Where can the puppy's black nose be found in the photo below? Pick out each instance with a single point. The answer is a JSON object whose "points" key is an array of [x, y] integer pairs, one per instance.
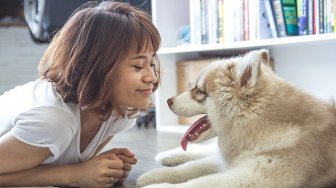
{"points": [[170, 101]]}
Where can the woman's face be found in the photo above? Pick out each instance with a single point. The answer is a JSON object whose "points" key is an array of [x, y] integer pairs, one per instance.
{"points": [[135, 83]]}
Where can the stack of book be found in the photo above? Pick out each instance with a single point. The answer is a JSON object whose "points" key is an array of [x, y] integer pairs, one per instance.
{"points": [[223, 21]]}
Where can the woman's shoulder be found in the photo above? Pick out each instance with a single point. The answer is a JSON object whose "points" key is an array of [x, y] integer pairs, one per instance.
{"points": [[39, 93], [36, 100], [36, 90]]}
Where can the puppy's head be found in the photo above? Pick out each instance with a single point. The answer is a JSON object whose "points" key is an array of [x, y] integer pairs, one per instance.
{"points": [[222, 91]]}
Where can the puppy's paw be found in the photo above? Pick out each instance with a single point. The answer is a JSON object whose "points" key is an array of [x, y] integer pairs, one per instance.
{"points": [[151, 177], [161, 185], [171, 161], [176, 157]]}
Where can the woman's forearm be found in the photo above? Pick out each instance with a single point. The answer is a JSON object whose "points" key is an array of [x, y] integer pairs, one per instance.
{"points": [[43, 175]]}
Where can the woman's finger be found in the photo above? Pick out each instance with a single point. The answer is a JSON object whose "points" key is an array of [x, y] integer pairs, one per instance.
{"points": [[125, 175], [114, 164], [115, 173], [125, 159], [108, 185], [121, 180], [112, 179], [122, 151], [127, 167]]}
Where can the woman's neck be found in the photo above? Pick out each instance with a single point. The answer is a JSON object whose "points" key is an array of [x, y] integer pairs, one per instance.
{"points": [[90, 125]]}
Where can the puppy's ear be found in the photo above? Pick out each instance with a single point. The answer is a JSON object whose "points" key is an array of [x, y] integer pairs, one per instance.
{"points": [[249, 68], [266, 59]]}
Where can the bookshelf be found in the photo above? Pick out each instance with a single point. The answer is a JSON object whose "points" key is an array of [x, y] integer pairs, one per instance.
{"points": [[307, 61]]}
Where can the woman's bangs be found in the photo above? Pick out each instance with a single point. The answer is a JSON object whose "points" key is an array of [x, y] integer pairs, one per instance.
{"points": [[144, 38]]}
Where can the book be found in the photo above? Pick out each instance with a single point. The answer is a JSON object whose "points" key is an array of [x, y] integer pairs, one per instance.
{"points": [[302, 16], [246, 20], [270, 17], [310, 15], [221, 21], [195, 22], [290, 16], [321, 16], [329, 16], [279, 18], [204, 23], [229, 24], [238, 20], [334, 12], [316, 17], [264, 30], [212, 19]]}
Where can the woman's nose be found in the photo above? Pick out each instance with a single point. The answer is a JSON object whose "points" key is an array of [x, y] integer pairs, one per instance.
{"points": [[150, 76]]}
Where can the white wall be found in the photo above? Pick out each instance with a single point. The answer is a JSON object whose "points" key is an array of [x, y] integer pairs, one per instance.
{"points": [[311, 67]]}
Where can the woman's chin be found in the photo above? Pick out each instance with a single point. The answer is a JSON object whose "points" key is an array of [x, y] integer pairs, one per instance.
{"points": [[143, 105]]}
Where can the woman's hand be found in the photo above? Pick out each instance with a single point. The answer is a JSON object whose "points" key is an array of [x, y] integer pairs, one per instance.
{"points": [[100, 171], [128, 159]]}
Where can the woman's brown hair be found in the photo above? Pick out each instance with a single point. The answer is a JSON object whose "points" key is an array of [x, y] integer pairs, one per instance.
{"points": [[82, 59]]}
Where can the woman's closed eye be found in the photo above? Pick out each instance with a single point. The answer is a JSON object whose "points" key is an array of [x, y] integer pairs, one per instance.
{"points": [[137, 67]]}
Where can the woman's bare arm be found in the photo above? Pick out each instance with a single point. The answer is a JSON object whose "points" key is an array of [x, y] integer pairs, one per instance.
{"points": [[20, 166], [17, 156]]}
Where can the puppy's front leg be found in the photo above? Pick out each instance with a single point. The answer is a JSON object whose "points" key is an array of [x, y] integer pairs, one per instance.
{"points": [[250, 173], [181, 173], [236, 177], [177, 156]]}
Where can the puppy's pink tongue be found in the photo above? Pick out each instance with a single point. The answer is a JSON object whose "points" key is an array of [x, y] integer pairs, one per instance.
{"points": [[192, 130]]}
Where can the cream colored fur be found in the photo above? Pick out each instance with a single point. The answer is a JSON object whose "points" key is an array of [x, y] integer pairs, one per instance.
{"points": [[270, 133]]}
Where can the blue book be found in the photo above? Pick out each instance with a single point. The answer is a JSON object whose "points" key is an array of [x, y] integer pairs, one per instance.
{"points": [[302, 10]]}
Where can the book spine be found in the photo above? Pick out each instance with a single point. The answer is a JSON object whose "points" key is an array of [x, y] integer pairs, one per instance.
{"points": [[279, 18], [239, 12], [221, 21], [325, 12], [263, 26], [229, 20], [270, 18], [210, 25], [316, 17], [213, 14], [192, 19], [246, 19], [334, 11], [330, 16], [198, 24], [302, 17], [204, 23], [253, 16], [321, 16], [310, 17], [290, 16]]}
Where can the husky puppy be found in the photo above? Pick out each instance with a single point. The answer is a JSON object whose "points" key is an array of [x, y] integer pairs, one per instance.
{"points": [[270, 133]]}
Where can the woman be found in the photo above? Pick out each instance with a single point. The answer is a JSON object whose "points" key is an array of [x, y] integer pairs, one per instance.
{"points": [[97, 74]]}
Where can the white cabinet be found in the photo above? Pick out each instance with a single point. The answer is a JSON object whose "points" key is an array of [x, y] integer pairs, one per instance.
{"points": [[306, 61]]}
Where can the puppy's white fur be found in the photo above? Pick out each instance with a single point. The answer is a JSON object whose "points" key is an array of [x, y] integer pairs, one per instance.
{"points": [[270, 134]]}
